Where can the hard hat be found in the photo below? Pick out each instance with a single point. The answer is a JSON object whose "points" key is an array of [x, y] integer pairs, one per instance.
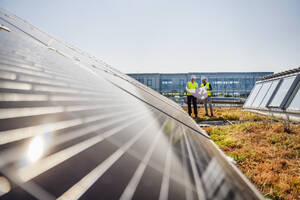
{"points": [[193, 77], [203, 78]]}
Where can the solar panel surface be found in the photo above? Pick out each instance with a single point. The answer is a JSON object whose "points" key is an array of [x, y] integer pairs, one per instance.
{"points": [[72, 127]]}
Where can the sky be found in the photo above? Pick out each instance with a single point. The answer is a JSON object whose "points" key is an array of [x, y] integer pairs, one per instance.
{"points": [[172, 36]]}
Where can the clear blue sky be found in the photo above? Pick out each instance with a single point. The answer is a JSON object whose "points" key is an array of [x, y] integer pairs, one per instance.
{"points": [[175, 35]]}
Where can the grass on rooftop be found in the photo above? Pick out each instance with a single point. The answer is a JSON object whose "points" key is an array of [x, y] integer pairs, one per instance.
{"points": [[228, 113], [266, 150]]}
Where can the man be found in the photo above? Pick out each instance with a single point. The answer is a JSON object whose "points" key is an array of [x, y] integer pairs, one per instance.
{"points": [[208, 99], [190, 98]]}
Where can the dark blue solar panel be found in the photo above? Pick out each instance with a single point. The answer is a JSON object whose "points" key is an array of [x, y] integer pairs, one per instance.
{"points": [[72, 127]]}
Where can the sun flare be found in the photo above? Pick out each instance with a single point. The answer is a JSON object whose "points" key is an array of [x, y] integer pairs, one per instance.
{"points": [[35, 149]]}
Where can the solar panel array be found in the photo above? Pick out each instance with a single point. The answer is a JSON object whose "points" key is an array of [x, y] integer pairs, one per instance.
{"points": [[278, 95], [72, 127]]}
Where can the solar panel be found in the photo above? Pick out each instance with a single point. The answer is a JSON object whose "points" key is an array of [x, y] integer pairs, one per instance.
{"points": [[282, 91], [73, 127]]}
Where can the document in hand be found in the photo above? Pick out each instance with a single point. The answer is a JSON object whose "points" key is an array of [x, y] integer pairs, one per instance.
{"points": [[199, 93]]}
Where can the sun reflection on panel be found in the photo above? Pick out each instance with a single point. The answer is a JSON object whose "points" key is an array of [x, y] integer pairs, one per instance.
{"points": [[4, 185], [35, 148]]}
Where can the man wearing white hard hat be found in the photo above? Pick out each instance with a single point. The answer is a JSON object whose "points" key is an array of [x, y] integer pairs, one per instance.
{"points": [[192, 85], [208, 100]]}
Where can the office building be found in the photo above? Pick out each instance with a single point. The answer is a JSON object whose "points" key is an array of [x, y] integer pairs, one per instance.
{"points": [[228, 84]]}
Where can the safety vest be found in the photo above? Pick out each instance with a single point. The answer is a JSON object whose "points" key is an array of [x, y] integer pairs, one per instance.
{"points": [[192, 86], [209, 92]]}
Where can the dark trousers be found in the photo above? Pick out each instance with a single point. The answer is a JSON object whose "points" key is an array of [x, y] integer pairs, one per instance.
{"points": [[191, 99]]}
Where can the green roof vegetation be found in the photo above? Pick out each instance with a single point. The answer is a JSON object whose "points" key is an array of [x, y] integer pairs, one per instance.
{"points": [[266, 150]]}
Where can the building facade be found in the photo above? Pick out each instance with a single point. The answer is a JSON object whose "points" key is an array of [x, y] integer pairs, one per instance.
{"points": [[228, 84]]}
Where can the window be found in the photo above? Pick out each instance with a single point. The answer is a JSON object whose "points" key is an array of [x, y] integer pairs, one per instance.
{"points": [[269, 93], [141, 80], [262, 93], [149, 82], [295, 102], [252, 95], [166, 82], [282, 92], [182, 83]]}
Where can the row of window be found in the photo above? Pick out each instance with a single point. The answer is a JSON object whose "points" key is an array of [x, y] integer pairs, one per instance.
{"points": [[181, 82], [149, 81], [217, 91], [281, 94], [221, 86]]}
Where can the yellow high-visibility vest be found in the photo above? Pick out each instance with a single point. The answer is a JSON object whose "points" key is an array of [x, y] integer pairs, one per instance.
{"points": [[209, 92], [192, 86]]}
